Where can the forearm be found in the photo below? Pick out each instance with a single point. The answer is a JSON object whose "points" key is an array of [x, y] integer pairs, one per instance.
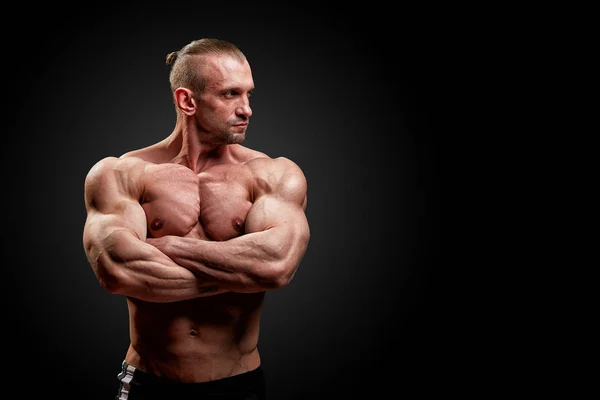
{"points": [[250, 263], [133, 268]]}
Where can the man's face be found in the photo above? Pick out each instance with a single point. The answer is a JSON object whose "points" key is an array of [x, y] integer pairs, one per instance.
{"points": [[223, 110]]}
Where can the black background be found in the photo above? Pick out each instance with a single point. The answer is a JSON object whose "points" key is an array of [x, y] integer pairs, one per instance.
{"points": [[357, 97]]}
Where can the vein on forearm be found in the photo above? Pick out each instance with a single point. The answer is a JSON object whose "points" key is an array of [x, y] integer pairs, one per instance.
{"points": [[244, 259]]}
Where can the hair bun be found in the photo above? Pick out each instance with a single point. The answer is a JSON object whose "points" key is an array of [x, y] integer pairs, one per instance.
{"points": [[172, 57]]}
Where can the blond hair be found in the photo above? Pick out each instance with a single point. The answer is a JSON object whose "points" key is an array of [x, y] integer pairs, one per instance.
{"points": [[186, 63]]}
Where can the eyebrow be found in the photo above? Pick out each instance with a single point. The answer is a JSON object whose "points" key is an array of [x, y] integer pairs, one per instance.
{"points": [[236, 87]]}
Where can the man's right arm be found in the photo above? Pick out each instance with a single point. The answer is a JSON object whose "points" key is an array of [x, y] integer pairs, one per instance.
{"points": [[114, 239]]}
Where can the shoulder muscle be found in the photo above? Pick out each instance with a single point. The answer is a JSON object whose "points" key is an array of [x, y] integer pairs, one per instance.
{"points": [[112, 178], [281, 177]]}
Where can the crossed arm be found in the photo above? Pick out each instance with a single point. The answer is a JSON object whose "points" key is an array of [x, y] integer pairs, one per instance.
{"points": [[174, 268], [268, 254]]}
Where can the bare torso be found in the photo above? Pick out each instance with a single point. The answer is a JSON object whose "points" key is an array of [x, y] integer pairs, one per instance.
{"points": [[209, 337]]}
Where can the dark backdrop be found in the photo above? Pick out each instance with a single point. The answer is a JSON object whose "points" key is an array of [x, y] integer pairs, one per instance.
{"points": [[354, 96]]}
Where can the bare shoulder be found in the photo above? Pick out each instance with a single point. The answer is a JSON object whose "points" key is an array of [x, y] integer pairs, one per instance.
{"points": [[280, 176], [274, 167], [244, 154], [112, 176], [156, 154], [111, 165]]}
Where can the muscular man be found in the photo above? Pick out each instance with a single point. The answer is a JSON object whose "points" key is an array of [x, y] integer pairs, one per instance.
{"points": [[193, 230]]}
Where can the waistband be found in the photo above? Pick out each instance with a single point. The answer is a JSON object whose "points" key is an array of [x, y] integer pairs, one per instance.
{"points": [[132, 375]]}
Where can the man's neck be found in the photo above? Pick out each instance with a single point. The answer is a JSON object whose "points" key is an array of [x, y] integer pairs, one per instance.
{"points": [[188, 150]]}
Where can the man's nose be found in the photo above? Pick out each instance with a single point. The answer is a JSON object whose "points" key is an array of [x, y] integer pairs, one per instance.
{"points": [[244, 109]]}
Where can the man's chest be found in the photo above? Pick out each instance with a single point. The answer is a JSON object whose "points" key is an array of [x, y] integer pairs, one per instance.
{"points": [[212, 205]]}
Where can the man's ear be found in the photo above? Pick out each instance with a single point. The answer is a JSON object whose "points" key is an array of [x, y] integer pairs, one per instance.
{"points": [[184, 100]]}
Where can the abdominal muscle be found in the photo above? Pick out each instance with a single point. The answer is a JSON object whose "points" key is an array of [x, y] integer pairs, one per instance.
{"points": [[196, 340]]}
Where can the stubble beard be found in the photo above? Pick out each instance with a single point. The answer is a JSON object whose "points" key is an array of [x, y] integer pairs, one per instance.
{"points": [[224, 138], [233, 138]]}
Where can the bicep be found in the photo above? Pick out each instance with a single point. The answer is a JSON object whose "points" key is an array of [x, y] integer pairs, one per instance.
{"points": [[128, 215], [283, 205], [284, 220], [112, 204]]}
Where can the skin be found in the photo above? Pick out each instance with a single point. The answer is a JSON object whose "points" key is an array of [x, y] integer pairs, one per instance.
{"points": [[193, 230]]}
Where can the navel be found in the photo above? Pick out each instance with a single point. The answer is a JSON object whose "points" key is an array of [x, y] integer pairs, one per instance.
{"points": [[156, 224]]}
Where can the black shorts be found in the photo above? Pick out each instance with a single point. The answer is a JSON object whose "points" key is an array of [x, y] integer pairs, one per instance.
{"points": [[135, 384]]}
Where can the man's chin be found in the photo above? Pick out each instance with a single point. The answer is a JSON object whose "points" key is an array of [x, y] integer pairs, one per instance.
{"points": [[236, 138]]}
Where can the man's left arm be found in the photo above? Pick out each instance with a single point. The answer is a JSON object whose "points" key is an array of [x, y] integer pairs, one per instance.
{"points": [[275, 240]]}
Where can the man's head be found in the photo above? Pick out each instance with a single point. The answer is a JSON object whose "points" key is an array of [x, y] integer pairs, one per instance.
{"points": [[211, 82]]}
